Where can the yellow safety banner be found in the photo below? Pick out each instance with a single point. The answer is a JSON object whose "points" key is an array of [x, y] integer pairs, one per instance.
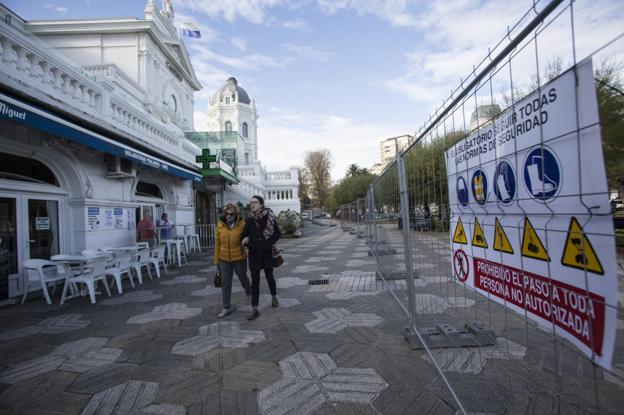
{"points": [[578, 251], [532, 246], [501, 241], [478, 237], [459, 236]]}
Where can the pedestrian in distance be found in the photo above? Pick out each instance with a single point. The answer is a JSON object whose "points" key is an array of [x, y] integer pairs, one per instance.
{"points": [[260, 234], [146, 230], [230, 256], [165, 226]]}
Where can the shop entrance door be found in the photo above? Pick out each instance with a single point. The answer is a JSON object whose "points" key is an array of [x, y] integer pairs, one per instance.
{"points": [[29, 229]]}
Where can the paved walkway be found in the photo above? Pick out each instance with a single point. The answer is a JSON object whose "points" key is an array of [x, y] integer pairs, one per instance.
{"points": [[336, 348]]}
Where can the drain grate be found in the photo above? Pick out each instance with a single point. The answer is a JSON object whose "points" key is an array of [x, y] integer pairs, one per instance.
{"points": [[318, 282]]}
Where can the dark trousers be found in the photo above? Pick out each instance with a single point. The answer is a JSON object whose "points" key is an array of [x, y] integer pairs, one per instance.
{"points": [[255, 285], [227, 271]]}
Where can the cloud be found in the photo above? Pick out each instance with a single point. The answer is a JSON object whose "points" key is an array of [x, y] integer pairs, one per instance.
{"points": [[59, 9], [308, 52], [296, 24], [253, 11], [239, 43], [295, 133]]}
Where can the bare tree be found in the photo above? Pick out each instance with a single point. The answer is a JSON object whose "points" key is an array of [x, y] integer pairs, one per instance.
{"points": [[318, 163], [304, 188]]}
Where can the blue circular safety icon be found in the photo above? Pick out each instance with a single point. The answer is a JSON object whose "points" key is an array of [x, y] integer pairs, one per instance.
{"points": [[462, 191], [542, 174], [479, 186], [504, 182]]}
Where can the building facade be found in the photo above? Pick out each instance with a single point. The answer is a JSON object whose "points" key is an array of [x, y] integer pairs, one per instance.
{"points": [[230, 110], [92, 121]]}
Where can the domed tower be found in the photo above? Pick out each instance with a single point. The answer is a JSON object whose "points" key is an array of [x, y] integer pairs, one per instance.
{"points": [[231, 109]]}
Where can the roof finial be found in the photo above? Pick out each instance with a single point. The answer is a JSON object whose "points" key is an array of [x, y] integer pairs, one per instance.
{"points": [[168, 11]]}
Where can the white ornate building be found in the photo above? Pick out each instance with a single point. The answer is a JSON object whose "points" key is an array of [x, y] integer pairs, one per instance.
{"points": [[232, 110], [92, 120]]}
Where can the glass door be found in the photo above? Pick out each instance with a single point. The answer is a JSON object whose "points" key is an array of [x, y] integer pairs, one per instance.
{"points": [[43, 228], [8, 244]]}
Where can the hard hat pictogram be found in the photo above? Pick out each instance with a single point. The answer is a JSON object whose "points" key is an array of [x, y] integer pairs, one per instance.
{"points": [[459, 236], [578, 251], [532, 246], [478, 237]]}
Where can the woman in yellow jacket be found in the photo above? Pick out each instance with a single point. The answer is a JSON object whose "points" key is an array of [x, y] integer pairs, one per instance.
{"points": [[230, 255]]}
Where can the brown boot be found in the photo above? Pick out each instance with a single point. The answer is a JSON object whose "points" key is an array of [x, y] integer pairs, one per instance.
{"points": [[253, 315]]}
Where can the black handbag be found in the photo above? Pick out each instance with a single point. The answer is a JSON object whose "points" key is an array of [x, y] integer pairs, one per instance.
{"points": [[217, 278]]}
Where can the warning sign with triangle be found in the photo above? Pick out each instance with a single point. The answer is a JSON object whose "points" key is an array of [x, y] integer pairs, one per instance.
{"points": [[501, 242], [478, 237], [459, 236], [532, 246], [578, 251]]}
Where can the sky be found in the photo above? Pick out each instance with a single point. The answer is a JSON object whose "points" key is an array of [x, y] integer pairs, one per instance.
{"points": [[341, 75]]}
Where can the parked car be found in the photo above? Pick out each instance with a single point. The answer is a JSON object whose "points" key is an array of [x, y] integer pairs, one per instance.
{"points": [[304, 215]]}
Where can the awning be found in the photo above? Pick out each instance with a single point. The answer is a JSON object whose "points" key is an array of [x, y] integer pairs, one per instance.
{"points": [[26, 114]]}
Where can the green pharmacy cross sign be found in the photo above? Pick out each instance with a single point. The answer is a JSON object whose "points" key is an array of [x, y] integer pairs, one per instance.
{"points": [[208, 171], [206, 158]]}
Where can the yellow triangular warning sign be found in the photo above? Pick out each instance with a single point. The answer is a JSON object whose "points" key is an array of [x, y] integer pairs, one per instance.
{"points": [[459, 236], [501, 242], [478, 237], [578, 251], [532, 246]]}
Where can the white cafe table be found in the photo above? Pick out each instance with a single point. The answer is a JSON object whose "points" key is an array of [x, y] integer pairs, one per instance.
{"points": [[178, 244], [72, 265]]}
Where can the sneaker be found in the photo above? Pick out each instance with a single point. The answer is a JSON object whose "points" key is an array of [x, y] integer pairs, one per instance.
{"points": [[274, 302], [253, 315], [226, 311]]}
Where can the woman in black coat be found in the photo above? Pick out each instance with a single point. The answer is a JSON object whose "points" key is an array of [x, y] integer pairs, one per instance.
{"points": [[260, 234]]}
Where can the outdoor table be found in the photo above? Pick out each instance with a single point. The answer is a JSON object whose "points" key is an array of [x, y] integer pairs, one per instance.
{"points": [[72, 265], [178, 244]]}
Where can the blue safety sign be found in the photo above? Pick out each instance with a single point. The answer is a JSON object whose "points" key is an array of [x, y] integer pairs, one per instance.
{"points": [[479, 186], [542, 174], [504, 182]]}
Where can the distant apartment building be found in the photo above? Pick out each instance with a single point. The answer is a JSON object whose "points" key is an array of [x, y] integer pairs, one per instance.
{"points": [[388, 149]]}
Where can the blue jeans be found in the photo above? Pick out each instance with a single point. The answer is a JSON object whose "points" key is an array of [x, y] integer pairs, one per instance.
{"points": [[227, 272]]}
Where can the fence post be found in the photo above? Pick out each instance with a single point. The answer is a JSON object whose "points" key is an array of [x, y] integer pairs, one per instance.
{"points": [[407, 241], [374, 235]]}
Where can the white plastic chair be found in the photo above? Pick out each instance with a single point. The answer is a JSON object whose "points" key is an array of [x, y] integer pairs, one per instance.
{"points": [[96, 271], [142, 259], [157, 258], [121, 266], [44, 272], [193, 239]]}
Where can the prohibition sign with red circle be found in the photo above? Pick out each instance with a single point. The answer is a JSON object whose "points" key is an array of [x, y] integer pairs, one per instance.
{"points": [[461, 265]]}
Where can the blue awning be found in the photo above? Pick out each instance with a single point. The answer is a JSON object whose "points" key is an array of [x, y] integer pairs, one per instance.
{"points": [[22, 113]]}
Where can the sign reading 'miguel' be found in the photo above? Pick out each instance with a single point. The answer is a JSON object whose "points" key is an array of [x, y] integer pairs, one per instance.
{"points": [[531, 223]]}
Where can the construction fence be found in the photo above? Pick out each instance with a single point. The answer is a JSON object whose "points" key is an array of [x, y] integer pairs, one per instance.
{"points": [[494, 228]]}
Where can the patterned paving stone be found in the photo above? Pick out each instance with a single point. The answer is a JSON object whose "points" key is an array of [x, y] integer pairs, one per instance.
{"points": [[311, 379], [125, 398], [302, 269], [315, 259], [78, 356], [52, 325], [185, 279], [473, 359], [332, 320], [219, 334], [174, 311], [359, 262], [143, 296], [211, 290], [432, 304], [359, 255], [345, 295], [287, 282], [265, 301]]}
